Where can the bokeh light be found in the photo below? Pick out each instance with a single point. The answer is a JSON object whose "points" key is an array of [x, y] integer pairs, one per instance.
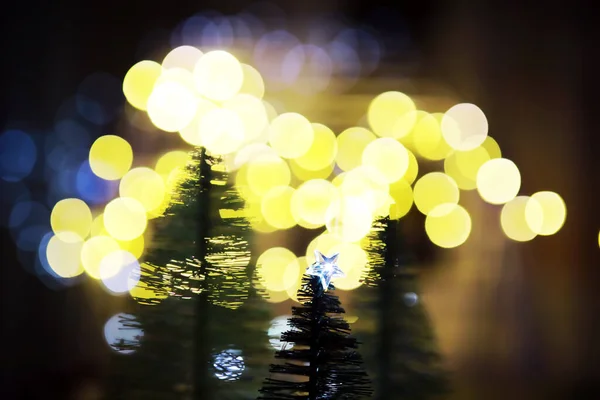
{"points": [[402, 194], [353, 261], [94, 250], [125, 218], [251, 112], [218, 75], [311, 201], [222, 131], [265, 172], [229, 365], [433, 189], [304, 174], [388, 156], [110, 157], [392, 114], [448, 225], [464, 126], [351, 144], [291, 135], [64, 254], [72, 215], [321, 152], [182, 57], [171, 106], [93, 189], [18, 155], [349, 218], [170, 161], [119, 271], [427, 138], [118, 333], [146, 186], [521, 217], [554, 212], [277, 268], [278, 326], [498, 181], [139, 82], [253, 83], [276, 207], [191, 133]]}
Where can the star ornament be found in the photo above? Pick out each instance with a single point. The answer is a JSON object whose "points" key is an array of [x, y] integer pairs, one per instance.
{"points": [[325, 268]]}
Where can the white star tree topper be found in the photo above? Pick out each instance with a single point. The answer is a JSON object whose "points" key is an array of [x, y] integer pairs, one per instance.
{"points": [[325, 268]]}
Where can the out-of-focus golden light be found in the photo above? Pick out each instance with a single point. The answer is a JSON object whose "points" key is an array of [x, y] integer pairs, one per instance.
{"points": [[249, 152], [351, 144], [554, 211], [498, 181], [464, 126], [71, 215], [402, 194], [64, 254], [451, 169], [468, 164], [125, 218], [253, 82], [97, 227], [168, 162], [368, 184], [277, 268], [135, 246], [252, 113], [253, 213], [350, 218], [274, 297], [145, 185], [139, 82], [276, 207], [182, 57], [388, 156], [427, 138], [448, 225], [191, 133], [291, 135], [321, 152], [172, 106], [222, 131], [93, 252], [491, 146], [311, 201], [433, 189], [110, 157], [218, 75], [521, 217], [306, 175], [392, 114], [265, 172], [180, 76], [412, 170], [353, 261]]}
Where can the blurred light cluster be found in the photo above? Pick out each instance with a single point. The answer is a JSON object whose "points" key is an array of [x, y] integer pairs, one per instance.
{"points": [[333, 55]]}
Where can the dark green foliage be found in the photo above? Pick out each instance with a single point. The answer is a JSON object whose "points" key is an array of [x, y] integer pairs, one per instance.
{"points": [[402, 351], [324, 362], [208, 339]]}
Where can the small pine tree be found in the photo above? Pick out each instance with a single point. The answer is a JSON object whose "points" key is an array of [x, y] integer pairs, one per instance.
{"points": [[407, 364], [324, 362], [205, 335]]}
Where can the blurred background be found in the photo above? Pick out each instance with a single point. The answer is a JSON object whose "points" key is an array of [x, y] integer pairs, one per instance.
{"points": [[513, 320]]}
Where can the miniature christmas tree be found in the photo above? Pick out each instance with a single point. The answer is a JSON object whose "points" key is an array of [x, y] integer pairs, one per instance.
{"points": [[213, 319], [323, 362], [407, 364]]}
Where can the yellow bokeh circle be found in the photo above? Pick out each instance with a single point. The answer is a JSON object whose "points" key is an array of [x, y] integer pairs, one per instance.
{"points": [[218, 75], [71, 215], [276, 207], [428, 140], [277, 268], [433, 189], [168, 162], [351, 144], [221, 131], [182, 57], [392, 114], [521, 217], [265, 172], [464, 126], [324, 243], [93, 252], [125, 218], [448, 225], [64, 254], [322, 151], [306, 174], [451, 169], [554, 212], [353, 262], [145, 185], [110, 157], [311, 201], [139, 82], [349, 218], [402, 194], [171, 106], [291, 135], [491, 146], [413, 168], [251, 112], [388, 156], [253, 82], [498, 181], [191, 133]]}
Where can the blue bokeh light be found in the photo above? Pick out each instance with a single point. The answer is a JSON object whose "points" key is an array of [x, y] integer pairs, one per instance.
{"points": [[18, 155], [99, 98], [91, 188]]}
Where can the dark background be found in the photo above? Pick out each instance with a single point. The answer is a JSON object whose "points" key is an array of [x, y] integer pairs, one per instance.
{"points": [[531, 67]]}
